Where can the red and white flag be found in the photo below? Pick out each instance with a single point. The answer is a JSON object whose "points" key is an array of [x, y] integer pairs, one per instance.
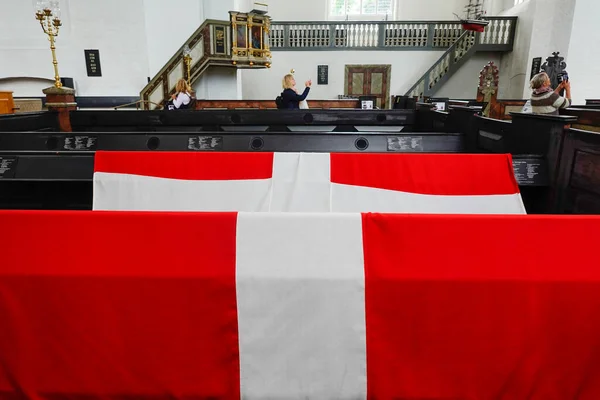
{"points": [[298, 306], [306, 182]]}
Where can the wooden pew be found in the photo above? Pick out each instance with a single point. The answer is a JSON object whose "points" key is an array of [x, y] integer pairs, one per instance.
{"points": [[346, 120], [502, 109], [578, 181], [587, 118], [37, 121]]}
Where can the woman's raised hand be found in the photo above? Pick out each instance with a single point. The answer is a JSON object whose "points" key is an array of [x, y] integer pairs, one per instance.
{"points": [[308, 83]]}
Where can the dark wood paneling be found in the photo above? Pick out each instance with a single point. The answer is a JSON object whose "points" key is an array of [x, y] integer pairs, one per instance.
{"points": [[270, 104], [579, 176], [211, 120], [76, 144], [587, 118], [40, 121]]}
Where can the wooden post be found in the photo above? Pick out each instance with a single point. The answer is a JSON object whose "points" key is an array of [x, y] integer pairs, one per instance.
{"points": [[61, 100]]}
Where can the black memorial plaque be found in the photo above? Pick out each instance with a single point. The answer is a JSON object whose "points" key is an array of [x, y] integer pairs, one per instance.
{"points": [[220, 40], [536, 66], [323, 75], [8, 167], [81, 143], [531, 172], [405, 143], [92, 62], [205, 143]]}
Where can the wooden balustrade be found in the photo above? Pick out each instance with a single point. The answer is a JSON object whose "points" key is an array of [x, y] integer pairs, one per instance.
{"points": [[386, 35]]}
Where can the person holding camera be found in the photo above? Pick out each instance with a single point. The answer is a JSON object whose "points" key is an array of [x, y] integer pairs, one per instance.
{"points": [[545, 100], [290, 98]]}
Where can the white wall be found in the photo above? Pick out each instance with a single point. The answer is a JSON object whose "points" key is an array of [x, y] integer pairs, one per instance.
{"points": [[429, 9], [24, 49], [544, 26], [463, 84], [551, 32], [317, 10], [304, 10], [135, 39], [407, 68], [123, 56], [218, 83], [162, 39], [496, 7], [516, 66], [583, 63]]}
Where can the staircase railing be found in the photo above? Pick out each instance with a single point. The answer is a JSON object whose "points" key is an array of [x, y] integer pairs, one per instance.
{"points": [[385, 35], [445, 66], [203, 52], [498, 36]]}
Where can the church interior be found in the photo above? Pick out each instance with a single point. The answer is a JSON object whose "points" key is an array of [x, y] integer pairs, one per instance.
{"points": [[317, 199]]}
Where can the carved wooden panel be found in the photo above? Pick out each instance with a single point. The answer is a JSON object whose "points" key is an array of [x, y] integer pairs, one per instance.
{"points": [[487, 91], [369, 80], [554, 66], [586, 172]]}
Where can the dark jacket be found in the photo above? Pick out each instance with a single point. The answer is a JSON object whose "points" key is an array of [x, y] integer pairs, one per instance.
{"points": [[291, 100]]}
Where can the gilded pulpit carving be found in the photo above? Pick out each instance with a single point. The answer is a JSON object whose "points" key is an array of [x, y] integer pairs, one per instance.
{"points": [[250, 39], [487, 90]]}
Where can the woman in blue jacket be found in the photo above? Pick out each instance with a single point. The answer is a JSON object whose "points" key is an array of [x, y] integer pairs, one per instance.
{"points": [[290, 98]]}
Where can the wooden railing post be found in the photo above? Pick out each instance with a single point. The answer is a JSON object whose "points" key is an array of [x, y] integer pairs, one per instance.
{"points": [[430, 34], [286, 36], [382, 34]]}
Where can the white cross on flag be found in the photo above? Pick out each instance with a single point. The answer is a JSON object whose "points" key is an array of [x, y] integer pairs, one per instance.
{"points": [[306, 182]]}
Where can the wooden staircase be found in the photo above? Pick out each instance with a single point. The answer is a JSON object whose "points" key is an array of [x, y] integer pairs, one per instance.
{"points": [[498, 36], [209, 46]]}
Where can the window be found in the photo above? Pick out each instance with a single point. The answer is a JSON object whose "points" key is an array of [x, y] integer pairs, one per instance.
{"points": [[366, 8]]}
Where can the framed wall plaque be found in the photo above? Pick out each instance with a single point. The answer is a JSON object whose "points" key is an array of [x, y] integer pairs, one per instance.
{"points": [[92, 62], [323, 75], [220, 40], [536, 66]]}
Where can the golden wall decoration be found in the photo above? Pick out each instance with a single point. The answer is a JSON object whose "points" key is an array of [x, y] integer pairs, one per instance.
{"points": [[250, 39]]}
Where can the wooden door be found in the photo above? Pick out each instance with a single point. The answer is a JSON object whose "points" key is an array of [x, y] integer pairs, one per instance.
{"points": [[369, 80]]}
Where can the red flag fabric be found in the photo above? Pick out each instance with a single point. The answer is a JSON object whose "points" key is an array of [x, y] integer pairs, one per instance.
{"points": [[114, 305], [306, 182]]}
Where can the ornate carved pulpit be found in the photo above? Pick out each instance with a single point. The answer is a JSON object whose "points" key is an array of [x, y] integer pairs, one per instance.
{"points": [[250, 37], [487, 90]]}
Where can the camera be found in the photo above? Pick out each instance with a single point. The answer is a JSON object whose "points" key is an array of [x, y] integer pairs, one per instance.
{"points": [[563, 76]]}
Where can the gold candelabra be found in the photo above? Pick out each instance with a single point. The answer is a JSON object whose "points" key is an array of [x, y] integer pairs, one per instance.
{"points": [[48, 13], [187, 59]]}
